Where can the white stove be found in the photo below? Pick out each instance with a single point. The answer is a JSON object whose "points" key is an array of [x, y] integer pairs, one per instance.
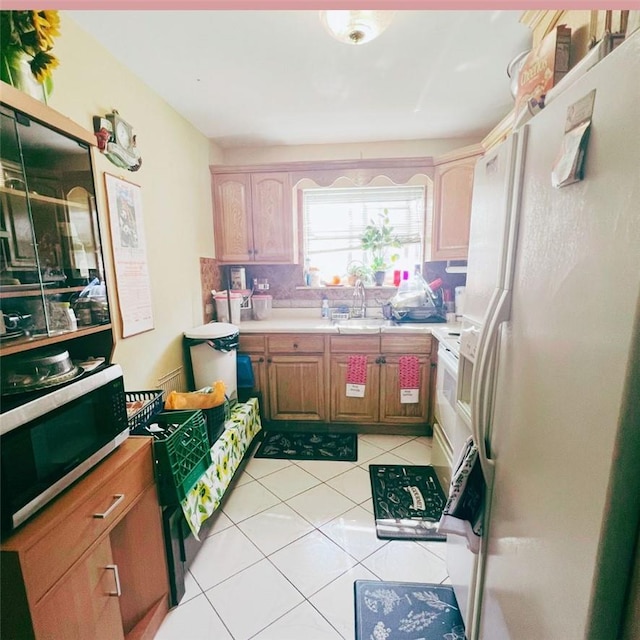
{"points": [[445, 428]]}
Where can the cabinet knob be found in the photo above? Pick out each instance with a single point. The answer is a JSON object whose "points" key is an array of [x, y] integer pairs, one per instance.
{"points": [[268, 359], [295, 345], [260, 359]]}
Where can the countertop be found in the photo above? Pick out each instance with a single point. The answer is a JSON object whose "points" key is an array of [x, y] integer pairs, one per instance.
{"points": [[309, 321]]}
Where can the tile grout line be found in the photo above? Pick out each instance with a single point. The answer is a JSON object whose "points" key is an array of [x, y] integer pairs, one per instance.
{"points": [[364, 466]]}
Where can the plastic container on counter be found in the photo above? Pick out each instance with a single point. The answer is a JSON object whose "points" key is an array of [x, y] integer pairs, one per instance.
{"points": [[262, 305], [222, 306]]}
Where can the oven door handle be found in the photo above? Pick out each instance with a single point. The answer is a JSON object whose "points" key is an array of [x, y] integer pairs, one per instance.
{"points": [[446, 357]]}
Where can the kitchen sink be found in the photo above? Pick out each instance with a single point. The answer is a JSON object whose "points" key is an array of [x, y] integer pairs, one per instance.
{"points": [[363, 325]]}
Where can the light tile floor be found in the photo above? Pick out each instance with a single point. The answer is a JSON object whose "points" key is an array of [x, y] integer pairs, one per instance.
{"points": [[288, 544]]}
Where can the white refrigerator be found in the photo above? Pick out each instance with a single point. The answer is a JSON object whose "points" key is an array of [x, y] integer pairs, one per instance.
{"points": [[549, 381]]}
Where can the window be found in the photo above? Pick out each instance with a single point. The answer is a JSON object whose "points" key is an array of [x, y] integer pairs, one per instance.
{"points": [[335, 218]]}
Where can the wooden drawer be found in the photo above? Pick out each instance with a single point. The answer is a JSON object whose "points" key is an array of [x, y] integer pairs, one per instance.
{"points": [[64, 539], [250, 343], [295, 343], [355, 344], [398, 343]]}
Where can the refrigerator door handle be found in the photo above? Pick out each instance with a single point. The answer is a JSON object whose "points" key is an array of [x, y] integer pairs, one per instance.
{"points": [[483, 384]]}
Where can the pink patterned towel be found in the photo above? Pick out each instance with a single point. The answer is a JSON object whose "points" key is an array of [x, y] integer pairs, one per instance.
{"points": [[409, 372], [357, 370]]}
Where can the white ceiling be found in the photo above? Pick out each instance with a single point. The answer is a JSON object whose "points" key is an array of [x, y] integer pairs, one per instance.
{"points": [[253, 78]]}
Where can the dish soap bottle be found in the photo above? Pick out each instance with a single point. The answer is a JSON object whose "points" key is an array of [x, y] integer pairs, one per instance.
{"points": [[324, 311]]}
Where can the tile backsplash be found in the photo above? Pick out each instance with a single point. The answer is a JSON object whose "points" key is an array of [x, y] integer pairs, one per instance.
{"points": [[286, 285]]}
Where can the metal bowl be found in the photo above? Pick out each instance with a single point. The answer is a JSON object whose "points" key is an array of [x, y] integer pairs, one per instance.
{"points": [[38, 371]]}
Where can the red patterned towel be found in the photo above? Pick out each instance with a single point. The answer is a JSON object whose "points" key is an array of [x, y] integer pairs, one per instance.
{"points": [[357, 370], [409, 372]]}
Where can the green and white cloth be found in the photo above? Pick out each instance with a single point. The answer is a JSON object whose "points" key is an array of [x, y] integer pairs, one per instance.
{"points": [[226, 454]]}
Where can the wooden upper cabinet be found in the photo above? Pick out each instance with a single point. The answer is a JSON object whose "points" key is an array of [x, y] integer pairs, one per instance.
{"points": [[273, 222], [453, 189], [232, 217], [254, 219]]}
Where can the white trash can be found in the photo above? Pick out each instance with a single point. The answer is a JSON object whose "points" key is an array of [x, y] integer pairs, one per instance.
{"points": [[212, 352]]}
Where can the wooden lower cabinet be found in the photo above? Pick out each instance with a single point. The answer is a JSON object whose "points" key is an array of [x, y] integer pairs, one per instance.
{"points": [[391, 409], [347, 409], [381, 403], [296, 387], [85, 605], [303, 377], [107, 582]]}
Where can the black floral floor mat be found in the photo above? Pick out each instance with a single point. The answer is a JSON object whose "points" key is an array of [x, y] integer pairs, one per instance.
{"points": [[309, 446]]}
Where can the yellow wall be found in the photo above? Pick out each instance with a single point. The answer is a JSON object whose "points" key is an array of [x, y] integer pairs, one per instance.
{"points": [[176, 195]]}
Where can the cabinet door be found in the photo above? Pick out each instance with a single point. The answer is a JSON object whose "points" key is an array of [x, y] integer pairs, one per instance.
{"points": [[452, 209], [391, 409], [232, 217], [274, 231], [347, 409], [85, 605], [296, 388]]}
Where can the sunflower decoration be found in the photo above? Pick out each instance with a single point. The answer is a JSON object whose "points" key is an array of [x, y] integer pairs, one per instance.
{"points": [[29, 34]]}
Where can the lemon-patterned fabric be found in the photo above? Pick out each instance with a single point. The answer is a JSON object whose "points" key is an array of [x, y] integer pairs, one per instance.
{"points": [[226, 454]]}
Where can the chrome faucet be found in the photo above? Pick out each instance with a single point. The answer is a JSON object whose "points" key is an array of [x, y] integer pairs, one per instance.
{"points": [[359, 305]]}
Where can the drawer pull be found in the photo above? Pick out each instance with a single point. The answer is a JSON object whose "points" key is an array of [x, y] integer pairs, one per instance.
{"points": [[295, 345], [116, 577], [118, 498]]}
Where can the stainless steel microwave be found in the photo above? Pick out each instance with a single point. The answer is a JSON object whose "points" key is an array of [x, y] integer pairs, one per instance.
{"points": [[49, 442]]}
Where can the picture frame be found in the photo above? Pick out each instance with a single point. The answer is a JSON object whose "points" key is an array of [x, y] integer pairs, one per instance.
{"points": [[133, 286]]}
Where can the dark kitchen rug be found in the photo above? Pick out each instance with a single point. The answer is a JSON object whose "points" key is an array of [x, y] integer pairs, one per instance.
{"points": [[407, 502], [406, 610], [309, 446]]}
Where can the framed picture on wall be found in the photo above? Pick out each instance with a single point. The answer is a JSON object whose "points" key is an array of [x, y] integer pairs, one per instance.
{"points": [[124, 200]]}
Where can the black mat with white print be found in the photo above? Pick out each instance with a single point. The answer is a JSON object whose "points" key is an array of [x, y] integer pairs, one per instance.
{"points": [[407, 502]]}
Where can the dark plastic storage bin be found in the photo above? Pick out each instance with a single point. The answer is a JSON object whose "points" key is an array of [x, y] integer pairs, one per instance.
{"points": [[182, 453], [216, 417], [140, 418], [245, 371]]}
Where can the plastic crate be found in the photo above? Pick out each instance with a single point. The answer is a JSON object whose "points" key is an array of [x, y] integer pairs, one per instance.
{"points": [[216, 417], [140, 417], [182, 453]]}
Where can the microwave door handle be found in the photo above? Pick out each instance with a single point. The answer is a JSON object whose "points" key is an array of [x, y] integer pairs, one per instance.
{"points": [[117, 499]]}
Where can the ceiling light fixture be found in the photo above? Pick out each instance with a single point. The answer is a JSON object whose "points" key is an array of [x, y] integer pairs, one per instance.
{"points": [[356, 27]]}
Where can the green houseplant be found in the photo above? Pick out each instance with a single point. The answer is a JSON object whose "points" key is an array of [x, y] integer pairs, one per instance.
{"points": [[357, 270], [378, 238]]}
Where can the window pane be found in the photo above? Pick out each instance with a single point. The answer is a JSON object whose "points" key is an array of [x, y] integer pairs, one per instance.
{"points": [[335, 219]]}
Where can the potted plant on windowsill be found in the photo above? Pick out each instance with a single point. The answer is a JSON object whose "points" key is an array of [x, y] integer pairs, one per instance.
{"points": [[379, 239], [357, 270]]}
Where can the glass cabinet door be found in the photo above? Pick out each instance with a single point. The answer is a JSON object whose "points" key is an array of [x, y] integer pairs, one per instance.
{"points": [[51, 269]]}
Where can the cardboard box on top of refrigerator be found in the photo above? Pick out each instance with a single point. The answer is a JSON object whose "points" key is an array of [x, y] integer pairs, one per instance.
{"points": [[542, 69]]}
